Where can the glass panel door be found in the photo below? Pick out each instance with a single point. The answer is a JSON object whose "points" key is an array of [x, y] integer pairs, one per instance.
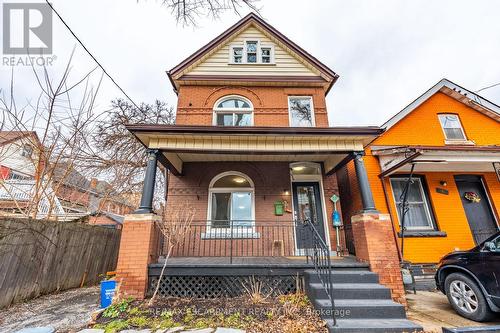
{"points": [[307, 207]]}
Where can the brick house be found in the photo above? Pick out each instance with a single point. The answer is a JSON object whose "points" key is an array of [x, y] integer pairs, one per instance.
{"points": [[252, 151], [447, 142]]}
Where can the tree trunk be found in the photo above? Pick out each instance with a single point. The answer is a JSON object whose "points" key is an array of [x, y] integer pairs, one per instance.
{"points": [[161, 275]]}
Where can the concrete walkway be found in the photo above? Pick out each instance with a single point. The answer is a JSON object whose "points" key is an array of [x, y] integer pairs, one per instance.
{"points": [[432, 311], [67, 311]]}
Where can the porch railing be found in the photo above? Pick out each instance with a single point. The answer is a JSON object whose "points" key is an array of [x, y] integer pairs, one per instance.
{"points": [[238, 238], [319, 254]]}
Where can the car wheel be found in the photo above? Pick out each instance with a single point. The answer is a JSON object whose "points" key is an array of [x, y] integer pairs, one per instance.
{"points": [[466, 298]]}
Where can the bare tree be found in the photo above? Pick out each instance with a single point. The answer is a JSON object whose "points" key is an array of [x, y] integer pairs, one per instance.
{"points": [[174, 226], [187, 12], [58, 125], [114, 153]]}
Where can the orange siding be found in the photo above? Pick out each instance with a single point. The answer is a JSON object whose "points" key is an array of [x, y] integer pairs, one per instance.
{"points": [[421, 127]]}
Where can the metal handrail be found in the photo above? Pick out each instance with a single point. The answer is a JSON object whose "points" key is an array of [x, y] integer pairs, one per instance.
{"points": [[320, 257]]}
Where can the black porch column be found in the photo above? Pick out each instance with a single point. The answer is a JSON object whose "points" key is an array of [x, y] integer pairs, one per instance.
{"points": [[148, 188], [364, 185]]}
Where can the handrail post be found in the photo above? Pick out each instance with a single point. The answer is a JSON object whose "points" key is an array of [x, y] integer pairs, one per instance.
{"points": [[231, 242]]}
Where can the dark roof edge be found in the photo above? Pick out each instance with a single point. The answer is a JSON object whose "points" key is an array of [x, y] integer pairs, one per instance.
{"points": [[342, 130]]}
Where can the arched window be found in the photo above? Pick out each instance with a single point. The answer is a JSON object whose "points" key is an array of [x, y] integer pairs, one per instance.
{"points": [[231, 201], [233, 111]]}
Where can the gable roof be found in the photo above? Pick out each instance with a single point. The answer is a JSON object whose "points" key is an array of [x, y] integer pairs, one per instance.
{"points": [[259, 22], [455, 91], [7, 137]]}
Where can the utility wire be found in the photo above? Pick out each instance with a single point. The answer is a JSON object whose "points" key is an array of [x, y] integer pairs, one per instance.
{"points": [[92, 56], [488, 87]]}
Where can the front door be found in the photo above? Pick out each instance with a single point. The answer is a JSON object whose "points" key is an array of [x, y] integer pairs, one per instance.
{"points": [[307, 207], [479, 213]]}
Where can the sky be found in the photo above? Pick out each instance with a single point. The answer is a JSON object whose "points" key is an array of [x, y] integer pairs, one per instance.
{"points": [[387, 52]]}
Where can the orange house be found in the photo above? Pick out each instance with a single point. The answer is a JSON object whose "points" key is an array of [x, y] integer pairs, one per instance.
{"points": [[448, 142]]}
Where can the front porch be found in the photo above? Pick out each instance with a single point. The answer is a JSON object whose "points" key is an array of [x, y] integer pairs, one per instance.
{"points": [[263, 216]]}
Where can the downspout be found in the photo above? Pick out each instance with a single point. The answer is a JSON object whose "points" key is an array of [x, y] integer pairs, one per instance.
{"points": [[405, 209], [387, 202], [383, 177]]}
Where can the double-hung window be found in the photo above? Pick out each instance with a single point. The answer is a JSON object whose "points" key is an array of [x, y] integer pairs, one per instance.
{"points": [[452, 127], [418, 211], [301, 111]]}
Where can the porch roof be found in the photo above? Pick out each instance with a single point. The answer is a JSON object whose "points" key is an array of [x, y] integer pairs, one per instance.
{"points": [[179, 144], [458, 158]]}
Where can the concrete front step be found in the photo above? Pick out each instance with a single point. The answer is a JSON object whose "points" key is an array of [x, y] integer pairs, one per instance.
{"points": [[361, 309], [345, 276], [373, 326], [350, 291]]}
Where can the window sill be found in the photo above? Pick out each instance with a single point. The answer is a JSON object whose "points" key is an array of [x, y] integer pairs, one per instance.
{"points": [[459, 142], [215, 234], [423, 233], [252, 64]]}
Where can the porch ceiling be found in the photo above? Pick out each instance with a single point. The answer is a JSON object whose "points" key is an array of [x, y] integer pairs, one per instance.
{"points": [[437, 159], [180, 144]]}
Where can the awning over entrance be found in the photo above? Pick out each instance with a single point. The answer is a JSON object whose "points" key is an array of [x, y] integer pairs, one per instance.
{"points": [[437, 159], [180, 144]]}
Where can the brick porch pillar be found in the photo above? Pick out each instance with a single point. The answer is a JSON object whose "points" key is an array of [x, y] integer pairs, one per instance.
{"points": [[373, 237], [374, 243], [138, 248]]}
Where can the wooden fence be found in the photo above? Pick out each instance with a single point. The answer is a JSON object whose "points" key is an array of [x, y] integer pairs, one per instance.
{"points": [[39, 257]]}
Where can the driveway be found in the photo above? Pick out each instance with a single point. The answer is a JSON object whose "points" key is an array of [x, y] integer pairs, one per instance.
{"points": [[432, 311], [66, 311]]}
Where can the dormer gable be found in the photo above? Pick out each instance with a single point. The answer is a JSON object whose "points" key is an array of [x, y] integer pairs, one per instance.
{"points": [[252, 52]]}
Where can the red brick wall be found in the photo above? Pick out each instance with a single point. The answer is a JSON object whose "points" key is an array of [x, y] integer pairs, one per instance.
{"points": [[195, 104], [271, 180]]}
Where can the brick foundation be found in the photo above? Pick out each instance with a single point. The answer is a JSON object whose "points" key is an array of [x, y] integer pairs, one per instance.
{"points": [[138, 248], [375, 245]]}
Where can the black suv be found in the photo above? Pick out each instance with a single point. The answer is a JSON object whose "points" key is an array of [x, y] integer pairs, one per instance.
{"points": [[471, 280]]}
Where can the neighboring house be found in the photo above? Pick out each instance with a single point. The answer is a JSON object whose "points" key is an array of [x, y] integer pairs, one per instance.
{"points": [[19, 152], [448, 141], [70, 194], [253, 154]]}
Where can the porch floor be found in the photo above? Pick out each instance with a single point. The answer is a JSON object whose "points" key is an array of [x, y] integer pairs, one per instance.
{"points": [[255, 262]]}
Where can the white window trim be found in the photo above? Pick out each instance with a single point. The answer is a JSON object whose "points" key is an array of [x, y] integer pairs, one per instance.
{"points": [[244, 53], [217, 110], [426, 202], [221, 233], [231, 54], [461, 129], [313, 116]]}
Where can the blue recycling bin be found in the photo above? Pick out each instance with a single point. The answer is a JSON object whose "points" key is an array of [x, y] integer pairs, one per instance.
{"points": [[107, 292]]}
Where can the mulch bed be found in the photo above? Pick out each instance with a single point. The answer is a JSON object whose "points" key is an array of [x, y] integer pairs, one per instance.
{"points": [[283, 314]]}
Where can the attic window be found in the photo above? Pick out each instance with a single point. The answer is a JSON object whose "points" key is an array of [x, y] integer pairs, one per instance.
{"points": [[237, 54], [251, 47], [452, 127], [251, 52]]}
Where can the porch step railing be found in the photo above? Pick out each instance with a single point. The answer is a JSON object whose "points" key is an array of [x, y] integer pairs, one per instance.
{"points": [[319, 255]]}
